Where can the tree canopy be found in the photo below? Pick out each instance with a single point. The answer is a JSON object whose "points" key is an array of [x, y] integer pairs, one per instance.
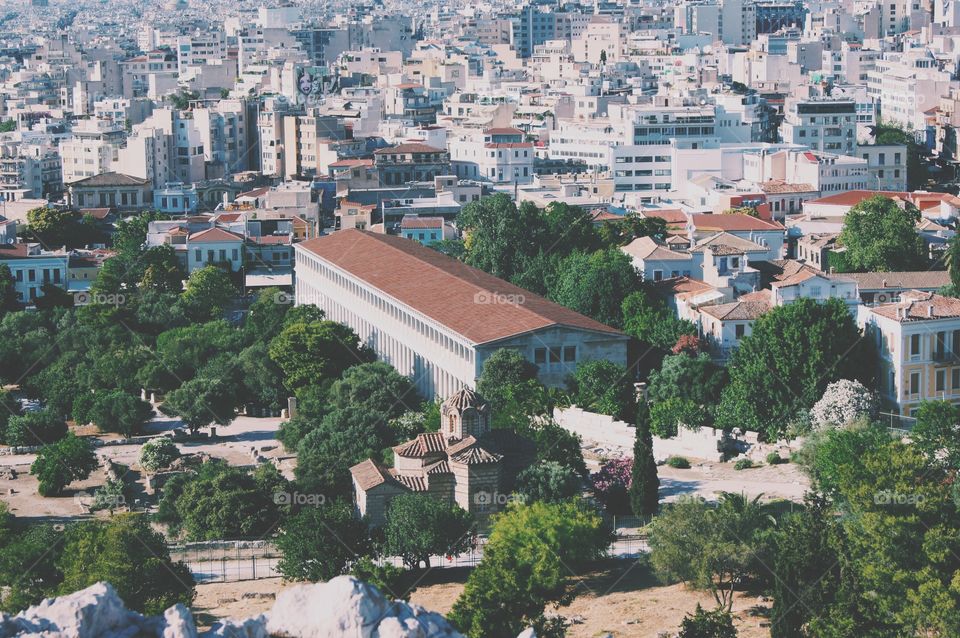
{"points": [[880, 235], [785, 365]]}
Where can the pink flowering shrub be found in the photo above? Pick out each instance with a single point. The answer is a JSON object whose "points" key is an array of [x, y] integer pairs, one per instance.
{"points": [[611, 482]]}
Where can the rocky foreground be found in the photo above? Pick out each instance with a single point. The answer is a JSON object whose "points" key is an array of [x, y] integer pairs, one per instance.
{"points": [[343, 607]]}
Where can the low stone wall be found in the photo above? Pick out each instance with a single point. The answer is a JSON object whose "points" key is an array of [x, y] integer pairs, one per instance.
{"points": [[616, 437]]}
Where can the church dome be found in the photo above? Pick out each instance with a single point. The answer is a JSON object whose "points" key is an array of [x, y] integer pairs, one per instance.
{"points": [[463, 400]]}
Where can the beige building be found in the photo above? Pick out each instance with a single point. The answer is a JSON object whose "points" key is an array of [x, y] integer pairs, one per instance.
{"points": [[466, 463], [918, 341]]}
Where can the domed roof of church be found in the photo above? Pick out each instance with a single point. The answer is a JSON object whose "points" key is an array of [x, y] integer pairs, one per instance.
{"points": [[463, 399]]}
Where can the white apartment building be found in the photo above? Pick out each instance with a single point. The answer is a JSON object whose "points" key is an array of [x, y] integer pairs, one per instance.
{"points": [[496, 155], [200, 48], [91, 148], [167, 147], [434, 318], [908, 84], [823, 124]]}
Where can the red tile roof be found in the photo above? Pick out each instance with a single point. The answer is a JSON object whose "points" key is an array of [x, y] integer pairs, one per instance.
{"points": [[503, 131], [215, 234], [468, 301], [852, 198], [735, 222]]}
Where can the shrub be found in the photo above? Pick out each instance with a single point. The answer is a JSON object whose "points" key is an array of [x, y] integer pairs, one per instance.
{"points": [[666, 416], [774, 458], [678, 462], [158, 454], [612, 483], [35, 428], [743, 464], [843, 401]]}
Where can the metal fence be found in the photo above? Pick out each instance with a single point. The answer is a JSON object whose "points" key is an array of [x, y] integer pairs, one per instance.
{"points": [[897, 423], [228, 561]]}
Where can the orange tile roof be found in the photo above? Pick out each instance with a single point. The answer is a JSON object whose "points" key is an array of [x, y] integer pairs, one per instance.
{"points": [[215, 235], [468, 301]]}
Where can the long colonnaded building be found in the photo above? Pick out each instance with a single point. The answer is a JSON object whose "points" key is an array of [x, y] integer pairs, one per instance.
{"points": [[436, 319]]}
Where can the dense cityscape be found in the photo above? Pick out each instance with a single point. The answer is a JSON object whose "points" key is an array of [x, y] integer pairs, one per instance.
{"points": [[533, 319]]}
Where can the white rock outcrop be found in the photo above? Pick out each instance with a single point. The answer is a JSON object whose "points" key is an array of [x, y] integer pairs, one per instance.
{"points": [[343, 607]]}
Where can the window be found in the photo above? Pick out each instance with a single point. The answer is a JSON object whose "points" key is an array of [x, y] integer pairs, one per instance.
{"points": [[914, 345], [540, 355], [739, 330], [555, 354], [941, 380], [569, 354], [915, 383], [955, 378], [198, 254]]}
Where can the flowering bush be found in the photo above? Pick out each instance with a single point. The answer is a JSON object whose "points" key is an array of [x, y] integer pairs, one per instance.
{"points": [[611, 483], [687, 344], [843, 401]]}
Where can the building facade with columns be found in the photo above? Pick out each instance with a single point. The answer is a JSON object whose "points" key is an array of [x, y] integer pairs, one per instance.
{"points": [[435, 319]]}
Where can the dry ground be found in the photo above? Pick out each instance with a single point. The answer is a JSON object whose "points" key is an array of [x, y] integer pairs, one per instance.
{"points": [[619, 597]]}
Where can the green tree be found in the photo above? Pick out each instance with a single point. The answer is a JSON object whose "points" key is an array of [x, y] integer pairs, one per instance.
{"points": [[695, 378], [320, 543], [267, 315], [605, 387], [161, 271], [784, 366], [35, 428], [262, 378], [879, 235], [645, 484], [496, 238], [596, 284], [807, 569], [377, 387], [8, 291], [309, 353], [936, 432], [708, 624], [548, 481], [648, 319], [710, 548], [39, 547], [127, 553], [50, 225], [556, 444], [508, 381], [202, 401], [419, 526], [208, 292], [952, 261], [828, 456], [221, 501], [344, 438], [667, 416], [58, 464], [526, 565], [117, 411]]}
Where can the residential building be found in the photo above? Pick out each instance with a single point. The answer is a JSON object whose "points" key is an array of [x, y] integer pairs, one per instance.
{"points": [[917, 340]]}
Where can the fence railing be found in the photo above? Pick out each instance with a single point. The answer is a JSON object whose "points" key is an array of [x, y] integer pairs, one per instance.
{"points": [[233, 561]]}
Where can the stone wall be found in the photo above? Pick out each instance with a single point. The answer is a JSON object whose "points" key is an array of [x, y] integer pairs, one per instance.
{"points": [[616, 437]]}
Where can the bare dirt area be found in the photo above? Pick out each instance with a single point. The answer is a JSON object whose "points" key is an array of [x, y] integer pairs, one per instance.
{"points": [[239, 443], [620, 597], [706, 479], [240, 600]]}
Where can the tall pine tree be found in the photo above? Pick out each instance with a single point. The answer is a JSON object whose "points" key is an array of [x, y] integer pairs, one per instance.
{"points": [[645, 484]]}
